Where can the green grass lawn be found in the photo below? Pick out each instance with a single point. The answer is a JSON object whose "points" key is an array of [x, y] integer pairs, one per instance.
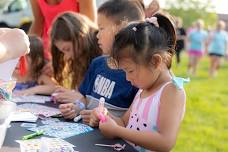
{"points": [[205, 126]]}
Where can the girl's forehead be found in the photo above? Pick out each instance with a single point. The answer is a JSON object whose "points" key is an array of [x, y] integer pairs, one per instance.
{"points": [[102, 19], [62, 42], [126, 62]]}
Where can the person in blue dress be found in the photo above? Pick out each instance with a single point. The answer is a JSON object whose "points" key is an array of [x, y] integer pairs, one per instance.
{"points": [[197, 42], [218, 41]]}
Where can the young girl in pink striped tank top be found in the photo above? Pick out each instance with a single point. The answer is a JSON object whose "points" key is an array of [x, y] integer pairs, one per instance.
{"points": [[144, 50]]}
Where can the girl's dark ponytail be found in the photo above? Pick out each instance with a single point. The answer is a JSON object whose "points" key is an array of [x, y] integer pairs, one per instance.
{"points": [[166, 24], [141, 40]]}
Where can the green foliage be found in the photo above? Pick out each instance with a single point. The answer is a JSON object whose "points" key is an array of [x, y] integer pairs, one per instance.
{"points": [[191, 10], [2, 2], [205, 126]]}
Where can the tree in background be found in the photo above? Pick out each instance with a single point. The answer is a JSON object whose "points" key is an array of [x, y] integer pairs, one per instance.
{"points": [[191, 10]]}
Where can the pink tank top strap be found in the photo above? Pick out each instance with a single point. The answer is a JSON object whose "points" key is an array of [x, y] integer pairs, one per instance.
{"points": [[147, 107], [137, 100]]}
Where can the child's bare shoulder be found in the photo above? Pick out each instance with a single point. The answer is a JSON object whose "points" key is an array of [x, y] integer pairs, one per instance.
{"points": [[173, 93]]}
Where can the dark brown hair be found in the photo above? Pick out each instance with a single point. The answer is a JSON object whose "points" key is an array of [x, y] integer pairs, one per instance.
{"points": [[36, 55], [81, 32], [122, 10], [140, 41]]}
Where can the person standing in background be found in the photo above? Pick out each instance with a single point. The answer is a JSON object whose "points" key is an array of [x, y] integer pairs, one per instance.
{"points": [[197, 41], [45, 11], [218, 47], [181, 38]]}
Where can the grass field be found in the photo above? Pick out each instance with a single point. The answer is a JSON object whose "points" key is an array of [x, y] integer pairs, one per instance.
{"points": [[205, 126]]}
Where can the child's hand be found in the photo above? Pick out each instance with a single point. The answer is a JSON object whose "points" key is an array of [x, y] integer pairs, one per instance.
{"points": [[86, 114], [69, 110], [94, 117], [108, 128], [66, 96]]}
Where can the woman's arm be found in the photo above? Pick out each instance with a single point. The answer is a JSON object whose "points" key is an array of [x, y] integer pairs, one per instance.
{"points": [[88, 8], [38, 22], [170, 116]]}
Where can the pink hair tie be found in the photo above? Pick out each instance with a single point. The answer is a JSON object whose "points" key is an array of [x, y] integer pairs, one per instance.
{"points": [[153, 20]]}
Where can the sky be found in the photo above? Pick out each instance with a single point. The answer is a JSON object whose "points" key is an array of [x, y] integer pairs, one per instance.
{"points": [[221, 6]]}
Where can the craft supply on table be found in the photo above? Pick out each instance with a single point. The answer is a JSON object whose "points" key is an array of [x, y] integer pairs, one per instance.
{"points": [[78, 118], [38, 109], [102, 110], [22, 116], [28, 125], [32, 145], [30, 99], [62, 129], [49, 121], [6, 88], [45, 144], [53, 97], [29, 136], [117, 147]]}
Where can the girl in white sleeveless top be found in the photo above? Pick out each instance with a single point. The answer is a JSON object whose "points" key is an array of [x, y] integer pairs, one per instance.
{"points": [[144, 51]]}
